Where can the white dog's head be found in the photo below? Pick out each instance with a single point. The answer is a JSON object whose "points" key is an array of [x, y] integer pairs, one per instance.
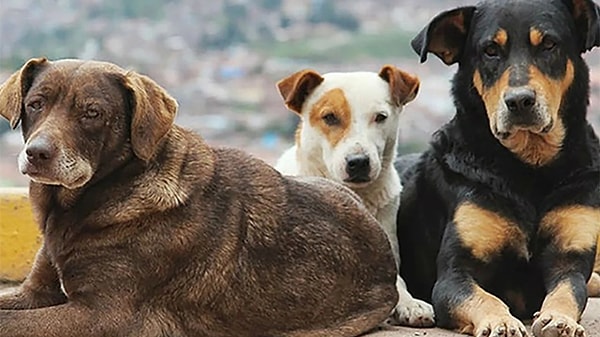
{"points": [[349, 126]]}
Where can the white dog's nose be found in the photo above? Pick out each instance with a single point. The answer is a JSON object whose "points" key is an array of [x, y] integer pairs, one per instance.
{"points": [[358, 167]]}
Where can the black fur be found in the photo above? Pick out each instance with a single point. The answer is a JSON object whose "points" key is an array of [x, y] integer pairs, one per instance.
{"points": [[466, 162]]}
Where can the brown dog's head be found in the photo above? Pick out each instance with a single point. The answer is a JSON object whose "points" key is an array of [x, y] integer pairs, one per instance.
{"points": [[83, 119]]}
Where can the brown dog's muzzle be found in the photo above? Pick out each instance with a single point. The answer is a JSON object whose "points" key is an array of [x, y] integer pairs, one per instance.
{"points": [[40, 153], [47, 159]]}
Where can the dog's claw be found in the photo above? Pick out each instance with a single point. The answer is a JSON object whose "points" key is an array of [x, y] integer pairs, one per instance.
{"points": [[503, 326]]}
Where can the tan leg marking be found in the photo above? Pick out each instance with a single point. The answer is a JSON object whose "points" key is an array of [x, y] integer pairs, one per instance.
{"points": [[483, 314], [559, 314], [593, 285], [486, 233], [574, 228]]}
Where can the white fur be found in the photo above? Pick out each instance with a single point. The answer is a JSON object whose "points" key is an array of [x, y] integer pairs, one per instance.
{"points": [[367, 95]]}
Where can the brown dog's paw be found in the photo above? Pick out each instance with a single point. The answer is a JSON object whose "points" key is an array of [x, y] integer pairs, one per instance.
{"points": [[550, 324], [500, 326]]}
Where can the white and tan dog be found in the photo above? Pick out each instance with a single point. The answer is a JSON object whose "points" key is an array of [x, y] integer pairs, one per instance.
{"points": [[348, 133]]}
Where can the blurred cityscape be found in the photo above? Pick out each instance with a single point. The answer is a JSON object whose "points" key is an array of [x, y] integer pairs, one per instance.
{"points": [[221, 58]]}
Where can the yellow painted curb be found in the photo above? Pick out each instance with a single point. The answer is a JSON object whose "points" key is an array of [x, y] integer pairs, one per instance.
{"points": [[19, 235]]}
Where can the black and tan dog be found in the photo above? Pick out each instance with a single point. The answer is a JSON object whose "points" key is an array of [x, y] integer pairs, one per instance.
{"points": [[507, 198], [150, 232]]}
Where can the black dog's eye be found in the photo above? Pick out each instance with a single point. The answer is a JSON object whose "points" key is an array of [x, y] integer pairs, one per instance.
{"points": [[491, 51], [331, 119], [35, 106], [548, 44], [380, 117]]}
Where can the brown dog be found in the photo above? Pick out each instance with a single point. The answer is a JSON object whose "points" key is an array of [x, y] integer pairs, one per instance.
{"points": [[150, 232]]}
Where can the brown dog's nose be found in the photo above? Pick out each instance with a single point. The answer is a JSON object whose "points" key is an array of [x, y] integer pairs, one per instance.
{"points": [[40, 150], [520, 101]]}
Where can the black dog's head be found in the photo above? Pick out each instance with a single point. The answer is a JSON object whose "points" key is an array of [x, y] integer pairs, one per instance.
{"points": [[81, 119], [521, 59]]}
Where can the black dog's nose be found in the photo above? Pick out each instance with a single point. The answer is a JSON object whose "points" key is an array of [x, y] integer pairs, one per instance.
{"points": [[39, 150], [520, 100], [358, 167]]}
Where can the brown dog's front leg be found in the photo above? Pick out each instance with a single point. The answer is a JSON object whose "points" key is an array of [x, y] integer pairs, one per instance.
{"points": [[65, 320], [40, 289]]}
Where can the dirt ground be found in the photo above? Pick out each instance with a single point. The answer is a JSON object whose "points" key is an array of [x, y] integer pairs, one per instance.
{"points": [[590, 320]]}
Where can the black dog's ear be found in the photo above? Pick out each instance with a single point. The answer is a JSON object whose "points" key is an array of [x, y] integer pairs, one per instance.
{"points": [[13, 91], [445, 35], [587, 22], [153, 114]]}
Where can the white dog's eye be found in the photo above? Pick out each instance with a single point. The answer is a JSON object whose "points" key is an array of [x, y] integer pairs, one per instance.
{"points": [[331, 119], [380, 117]]}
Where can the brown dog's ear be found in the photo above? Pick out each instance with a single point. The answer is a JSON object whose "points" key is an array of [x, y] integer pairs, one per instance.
{"points": [[295, 88], [587, 21], [13, 91], [153, 114], [404, 87], [445, 35]]}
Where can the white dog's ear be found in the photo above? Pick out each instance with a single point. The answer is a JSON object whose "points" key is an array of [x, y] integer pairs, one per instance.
{"points": [[404, 87], [295, 88]]}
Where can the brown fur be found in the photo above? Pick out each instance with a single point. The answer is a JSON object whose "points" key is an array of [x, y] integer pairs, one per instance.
{"points": [[483, 312], [574, 228], [531, 148], [561, 308], [404, 87], [501, 37], [535, 37], [491, 96], [448, 54], [294, 89], [487, 233], [171, 237], [332, 102]]}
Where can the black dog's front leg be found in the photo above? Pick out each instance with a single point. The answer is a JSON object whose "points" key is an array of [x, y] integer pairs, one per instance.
{"points": [[40, 289], [568, 236], [474, 238]]}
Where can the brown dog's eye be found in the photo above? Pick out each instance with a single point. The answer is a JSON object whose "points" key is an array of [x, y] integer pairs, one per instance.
{"points": [[331, 119], [35, 106], [91, 113], [380, 117]]}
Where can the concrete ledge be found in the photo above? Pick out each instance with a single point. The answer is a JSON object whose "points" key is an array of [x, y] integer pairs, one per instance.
{"points": [[20, 238]]}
